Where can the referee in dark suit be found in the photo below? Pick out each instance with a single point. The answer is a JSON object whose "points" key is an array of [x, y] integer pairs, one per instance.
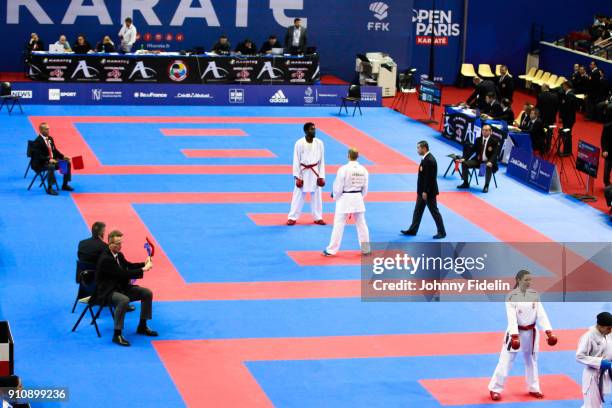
{"points": [[427, 190]]}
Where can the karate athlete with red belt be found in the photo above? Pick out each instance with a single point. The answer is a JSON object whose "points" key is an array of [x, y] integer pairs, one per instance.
{"points": [[309, 174], [525, 312]]}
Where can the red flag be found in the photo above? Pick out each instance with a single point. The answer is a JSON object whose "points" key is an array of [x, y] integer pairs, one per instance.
{"points": [[77, 163], [150, 247]]}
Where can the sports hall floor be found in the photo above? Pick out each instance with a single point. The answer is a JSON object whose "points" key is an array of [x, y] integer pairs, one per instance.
{"points": [[249, 313]]}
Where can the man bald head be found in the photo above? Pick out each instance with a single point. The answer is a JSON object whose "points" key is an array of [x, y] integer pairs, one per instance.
{"points": [[353, 154]]}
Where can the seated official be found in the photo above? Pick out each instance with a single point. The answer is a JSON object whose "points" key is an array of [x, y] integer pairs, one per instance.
{"points": [[223, 46], [478, 98], [537, 131], [81, 46], [64, 43], [295, 38], [246, 48], [35, 43], [45, 156], [522, 120], [106, 45], [486, 149], [491, 108], [113, 278], [272, 42], [506, 113], [91, 248]]}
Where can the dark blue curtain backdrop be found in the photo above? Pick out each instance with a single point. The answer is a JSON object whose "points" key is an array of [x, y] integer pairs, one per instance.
{"points": [[339, 28], [499, 32]]}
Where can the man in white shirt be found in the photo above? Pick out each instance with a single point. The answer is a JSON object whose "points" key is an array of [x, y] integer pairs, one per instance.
{"points": [[309, 174], [64, 43], [350, 187], [595, 352], [127, 35]]}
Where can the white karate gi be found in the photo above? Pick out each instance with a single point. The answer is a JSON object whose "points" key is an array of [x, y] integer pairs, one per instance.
{"points": [[350, 187], [307, 154], [522, 310], [592, 348]]}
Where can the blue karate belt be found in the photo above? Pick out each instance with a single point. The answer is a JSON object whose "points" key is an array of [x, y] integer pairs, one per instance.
{"points": [[601, 378]]}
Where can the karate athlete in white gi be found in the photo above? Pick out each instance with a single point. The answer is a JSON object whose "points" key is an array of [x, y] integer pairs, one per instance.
{"points": [[350, 187], [595, 352], [525, 313], [309, 174]]}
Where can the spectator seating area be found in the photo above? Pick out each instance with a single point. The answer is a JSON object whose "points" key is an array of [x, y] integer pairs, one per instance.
{"points": [[596, 39]]}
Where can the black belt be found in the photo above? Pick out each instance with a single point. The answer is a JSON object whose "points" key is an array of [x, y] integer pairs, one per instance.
{"points": [[350, 192]]}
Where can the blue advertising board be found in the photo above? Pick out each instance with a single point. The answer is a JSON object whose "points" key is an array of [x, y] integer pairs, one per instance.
{"points": [[339, 31], [519, 163], [532, 170], [185, 94]]}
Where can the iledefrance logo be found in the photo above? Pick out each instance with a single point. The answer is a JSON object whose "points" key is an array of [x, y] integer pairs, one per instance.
{"points": [[279, 97]]}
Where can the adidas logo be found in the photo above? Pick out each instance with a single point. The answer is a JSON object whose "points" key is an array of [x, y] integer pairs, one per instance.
{"points": [[279, 97]]}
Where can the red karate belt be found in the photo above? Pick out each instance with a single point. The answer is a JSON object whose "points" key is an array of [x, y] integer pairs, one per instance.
{"points": [[531, 327], [311, 167]]}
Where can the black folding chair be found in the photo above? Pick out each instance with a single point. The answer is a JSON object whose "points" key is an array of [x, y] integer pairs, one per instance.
{"points": [[457, 169], [85, 277], [42, 174], [90, 302], [29, 154], [354, 97], [6, 95], [474, 174]]}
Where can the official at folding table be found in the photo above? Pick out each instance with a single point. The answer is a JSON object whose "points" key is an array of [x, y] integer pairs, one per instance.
{"points": [[427, 190], [350, 187]]}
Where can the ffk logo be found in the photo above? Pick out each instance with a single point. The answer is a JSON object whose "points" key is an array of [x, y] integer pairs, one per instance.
{"points": [[380, 11]]}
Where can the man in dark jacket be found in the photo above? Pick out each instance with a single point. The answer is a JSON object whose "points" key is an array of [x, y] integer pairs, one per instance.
{"points": [[505, 83], [548, 104], [114, 275], [506, 114], [267, 46], [223, 46], [427, 191], [483, 87], [491, 108], [295, 38], [46, 156], [90, 249], [606, 151], [246, 48], [567, 114], [485, 150]]}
